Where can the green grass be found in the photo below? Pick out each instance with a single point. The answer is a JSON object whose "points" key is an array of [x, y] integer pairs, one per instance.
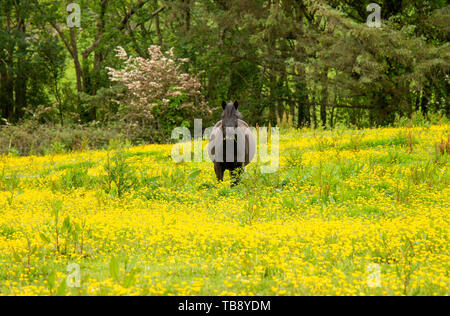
{"points": [[334, 215]]}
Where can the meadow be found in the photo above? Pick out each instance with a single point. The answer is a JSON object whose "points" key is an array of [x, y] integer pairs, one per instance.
{"points": [[350, 212]]}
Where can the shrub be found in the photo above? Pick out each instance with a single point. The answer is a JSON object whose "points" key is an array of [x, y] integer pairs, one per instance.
{"points": [[30, 138], [158, 96], [120, 176]]}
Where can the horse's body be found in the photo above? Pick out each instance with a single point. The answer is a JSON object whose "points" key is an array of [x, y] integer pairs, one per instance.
{"points": [[232, 145]]}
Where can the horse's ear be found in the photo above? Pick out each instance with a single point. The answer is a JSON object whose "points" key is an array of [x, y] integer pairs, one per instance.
{"points": [[236, 105], [224, 105]]}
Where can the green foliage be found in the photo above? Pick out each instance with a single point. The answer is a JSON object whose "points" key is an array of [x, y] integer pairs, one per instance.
{"points": [[299, 63], [128, 278], [31, 138], [385, 184], [120, 177], [76, 177], [67, 230], [10, 183]]}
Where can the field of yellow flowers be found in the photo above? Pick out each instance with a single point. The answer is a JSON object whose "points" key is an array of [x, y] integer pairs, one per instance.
{"points": [[349, 213]]}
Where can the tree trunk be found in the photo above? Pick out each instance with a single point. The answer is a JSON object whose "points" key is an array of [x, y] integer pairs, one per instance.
{"points": [[323, 114], [6, 78], [303, 118], [424, 104], [281, 104], [158, 30], [187, 15], [323, 104], [76, 61], [314, 115], [333, 111], [98, 55], [6, 93], [20, 83]]}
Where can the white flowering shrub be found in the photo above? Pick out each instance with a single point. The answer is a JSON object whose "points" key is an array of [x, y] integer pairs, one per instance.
{"points": [[158, 94]]}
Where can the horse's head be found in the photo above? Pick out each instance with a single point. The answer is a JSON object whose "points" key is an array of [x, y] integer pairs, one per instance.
{"points": [[230, 116]]}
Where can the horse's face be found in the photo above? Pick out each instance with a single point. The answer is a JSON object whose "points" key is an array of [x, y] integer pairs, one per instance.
{"points": [[230, 116]]}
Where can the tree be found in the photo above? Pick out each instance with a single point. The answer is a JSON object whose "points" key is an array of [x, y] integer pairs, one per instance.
{"points": [[24, 74], [316, 60], [158, 95]]}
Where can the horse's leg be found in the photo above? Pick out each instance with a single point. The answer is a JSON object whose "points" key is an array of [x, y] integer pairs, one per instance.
{"points": [[236, 175], [219, 171]]}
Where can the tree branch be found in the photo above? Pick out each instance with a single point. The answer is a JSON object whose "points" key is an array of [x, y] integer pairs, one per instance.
{"points": [[122, 25], [57, 29], [133, 10], [89, 50]]}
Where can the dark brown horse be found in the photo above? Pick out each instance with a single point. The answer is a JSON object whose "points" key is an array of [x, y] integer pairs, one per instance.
{"points": [[232, 145]]}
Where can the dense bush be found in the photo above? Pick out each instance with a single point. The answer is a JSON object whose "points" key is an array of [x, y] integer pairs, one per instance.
{"points": [[29, 138], [158, 94]]}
